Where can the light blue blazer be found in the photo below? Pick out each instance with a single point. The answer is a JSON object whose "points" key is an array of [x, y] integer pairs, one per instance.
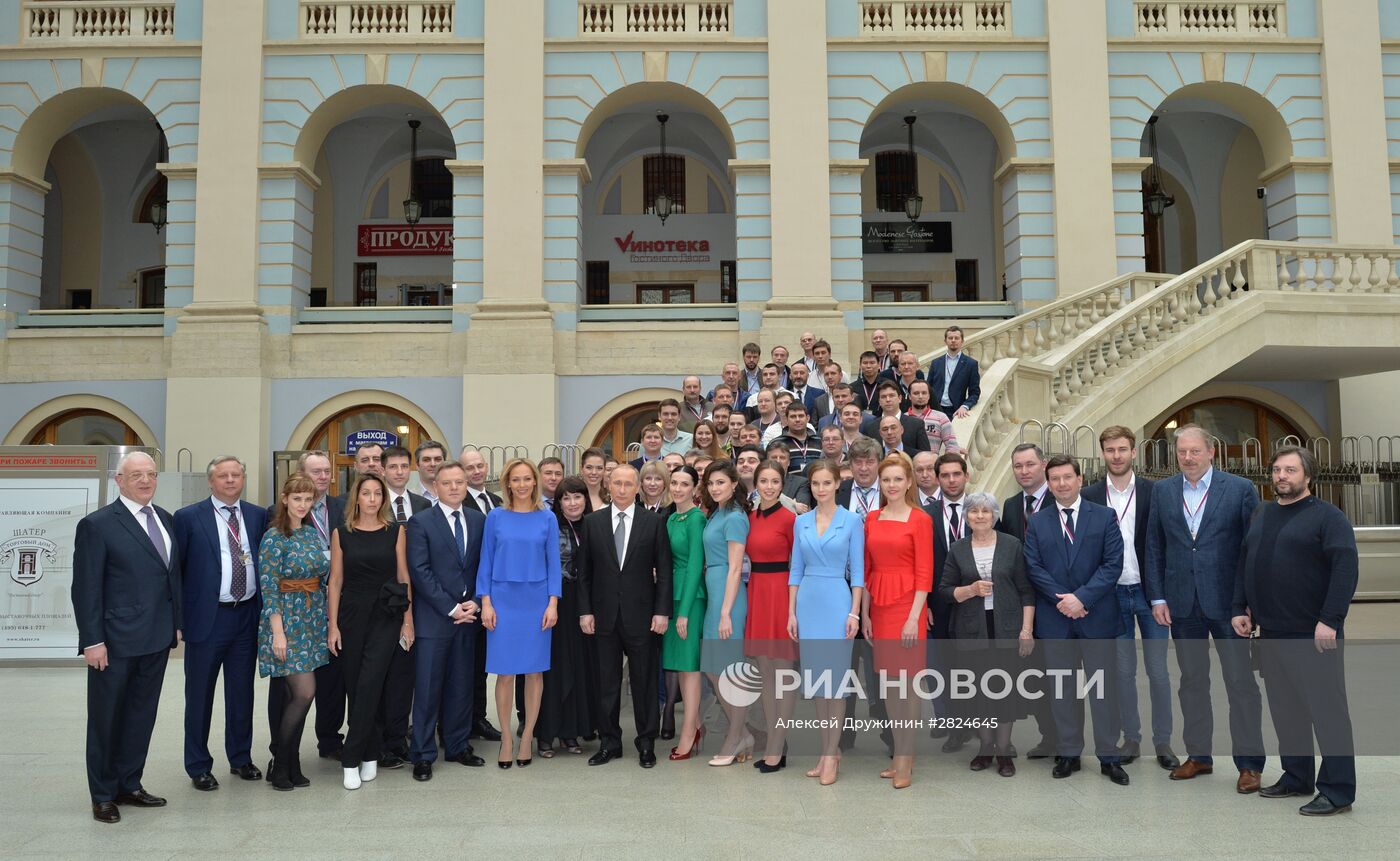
{"points": [[839, 552]]}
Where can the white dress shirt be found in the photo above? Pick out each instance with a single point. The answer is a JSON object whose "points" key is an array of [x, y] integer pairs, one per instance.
{"points": [[948, 534], [426, 492], [483, 501], [452, 527], [393, 503], [950, 367], [1060, 510], [872, 499], [631, 515], [1124, 505], [226, 558], [135, 509]]}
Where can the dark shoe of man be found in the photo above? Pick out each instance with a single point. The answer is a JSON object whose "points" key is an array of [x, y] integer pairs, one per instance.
{"points": [[205, 782], [646, 755], [483, 729], [956, 739], [468, 759], [1322, 806], [423, 770], [1280, 790], [106, 812], [331, 754], [1006, 766], [267, 775], [604, 756], [1128, 752], [938, 732], [247, 772], [1248, 782], [1114, 772], [1165, 758], [391, 760], [1064, 767], [1190, 768], [140, 798], [1044, 749]]}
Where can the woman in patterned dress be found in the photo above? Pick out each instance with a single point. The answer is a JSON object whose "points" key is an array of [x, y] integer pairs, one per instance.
{"points": [[292, 637]]}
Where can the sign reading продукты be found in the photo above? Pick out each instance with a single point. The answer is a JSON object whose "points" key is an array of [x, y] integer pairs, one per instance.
{"points": [[399, 240], [896, 237], [369, 437]]}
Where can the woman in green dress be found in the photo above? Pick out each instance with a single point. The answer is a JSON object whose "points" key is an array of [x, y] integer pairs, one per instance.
{"points": [[680, 650]]}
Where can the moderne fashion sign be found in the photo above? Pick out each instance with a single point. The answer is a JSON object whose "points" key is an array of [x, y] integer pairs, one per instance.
{"points": [[897, 237]]}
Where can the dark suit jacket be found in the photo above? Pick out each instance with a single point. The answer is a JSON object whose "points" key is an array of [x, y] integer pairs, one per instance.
{"points": [[1013, 514], [416, 503], [1201, 572], [915, 434], [441, 579], [799, 488], [625, 596], [966, 387], [1089, 568], [810, 396], [843, 496], [1142, 499], [123, 595], [942, 616], [201, 543], [1011, 590], [871, 403], [471, 502]]}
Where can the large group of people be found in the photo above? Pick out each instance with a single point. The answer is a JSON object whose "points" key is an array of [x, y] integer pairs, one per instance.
{"points": [[772, 523]]}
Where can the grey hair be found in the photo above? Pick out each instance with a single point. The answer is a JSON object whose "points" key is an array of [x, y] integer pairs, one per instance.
{"points": [[220, 460], [1206, 439], [121, 464], [983, 500]]}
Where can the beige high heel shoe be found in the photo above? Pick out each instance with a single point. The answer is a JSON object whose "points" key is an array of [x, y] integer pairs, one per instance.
{"points": [[835, 769], [903, 772], [742, 754]]}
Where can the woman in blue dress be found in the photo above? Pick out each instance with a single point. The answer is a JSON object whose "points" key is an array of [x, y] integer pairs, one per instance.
{"points": [[519, 581], [292, 636], [824, 594], [726, 531]]}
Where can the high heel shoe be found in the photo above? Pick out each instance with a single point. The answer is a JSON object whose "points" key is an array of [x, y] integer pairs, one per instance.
{"points": [[677, 756], [761, 763], [835, 768], [741, 754], [903, 773], [503, 763]]}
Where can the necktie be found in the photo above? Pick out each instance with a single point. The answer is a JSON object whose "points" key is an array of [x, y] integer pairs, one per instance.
{"points": [[953, 520], [153, 532], [1069, 524], [318, 516], [864, 499], [485, 502], [620, 537], [398, 510], [238, 577], [461, 535], [1030, 509]]}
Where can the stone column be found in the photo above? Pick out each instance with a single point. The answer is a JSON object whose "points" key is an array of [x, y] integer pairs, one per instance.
{"points": [[753, 242], [179, 236], [1354, 88], [21, 245], [1128, 221], [847, 259], [1028, 240]]}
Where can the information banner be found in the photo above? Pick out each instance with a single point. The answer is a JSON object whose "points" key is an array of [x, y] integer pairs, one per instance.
{"points": [[38, 519], [903, 237]]}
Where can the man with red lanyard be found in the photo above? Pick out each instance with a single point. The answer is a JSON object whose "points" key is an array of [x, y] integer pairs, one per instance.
{"points": [[949, 526], [1130, 497], [692, 404]]}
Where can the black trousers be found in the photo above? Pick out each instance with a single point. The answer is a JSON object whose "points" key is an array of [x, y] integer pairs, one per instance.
{"points": [[1095, 656], [640, 651], [121, 714], [397, 706], [1307, 693], [369, 637]]}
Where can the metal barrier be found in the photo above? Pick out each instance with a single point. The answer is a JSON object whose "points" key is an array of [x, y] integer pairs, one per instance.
{"points": [[497, 456], [567, 452]]}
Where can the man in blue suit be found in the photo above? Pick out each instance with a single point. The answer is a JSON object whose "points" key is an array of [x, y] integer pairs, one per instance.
{"points": [[126, 603], [444, 547], [1074, 555], [219, 537], [954, 378], [1194, 532]]}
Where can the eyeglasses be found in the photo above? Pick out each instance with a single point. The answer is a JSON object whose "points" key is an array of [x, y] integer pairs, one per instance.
{"points": [[150, 476]]}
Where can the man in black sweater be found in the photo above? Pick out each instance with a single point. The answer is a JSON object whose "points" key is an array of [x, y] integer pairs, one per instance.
{"points": [[1298, 574]]}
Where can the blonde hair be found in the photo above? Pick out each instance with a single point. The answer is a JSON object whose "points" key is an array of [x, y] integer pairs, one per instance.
{"points": [[901, 460], [352, 502], [505, 482], [660, 469]]}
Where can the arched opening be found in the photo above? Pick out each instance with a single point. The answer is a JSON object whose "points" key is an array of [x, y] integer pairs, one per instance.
{"points": [[630, 255], [84, 427], [343, 432], [1215, 145], [624, 429], [1234, 420], [381, 221], [98, 151], [952, 250]]}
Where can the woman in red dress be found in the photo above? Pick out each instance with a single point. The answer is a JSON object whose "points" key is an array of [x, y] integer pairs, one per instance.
{"points": [[769, 549], [898, 578]]}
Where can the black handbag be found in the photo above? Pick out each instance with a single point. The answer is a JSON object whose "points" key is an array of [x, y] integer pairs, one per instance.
{"points": [[393, 598]]}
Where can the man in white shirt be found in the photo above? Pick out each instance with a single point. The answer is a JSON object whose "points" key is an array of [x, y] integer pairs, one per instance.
{"points": [[808, 358], [880, 345], [673, 439], [926, 477], [429, 456], [861, 492], [398, 468], [482, 500], [1130, 497]]}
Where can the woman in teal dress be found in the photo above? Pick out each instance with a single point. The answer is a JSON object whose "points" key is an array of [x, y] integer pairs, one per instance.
{"points": [[680, 649], [726, 606], [292, 638]]}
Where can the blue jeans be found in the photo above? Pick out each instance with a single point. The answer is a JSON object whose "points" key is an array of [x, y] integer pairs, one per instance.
{"points": [[1133, 606]]}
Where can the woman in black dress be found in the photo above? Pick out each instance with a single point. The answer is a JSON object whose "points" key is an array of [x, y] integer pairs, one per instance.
{"points": [[566, 709], [369, 617]]}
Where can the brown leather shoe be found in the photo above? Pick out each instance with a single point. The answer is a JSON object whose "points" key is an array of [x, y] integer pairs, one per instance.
{"points": [[1190, 768], [106, 812], [1248, 782]]}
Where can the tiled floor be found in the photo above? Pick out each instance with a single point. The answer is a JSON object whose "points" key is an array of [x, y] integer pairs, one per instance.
{"points": [[563, 809]]}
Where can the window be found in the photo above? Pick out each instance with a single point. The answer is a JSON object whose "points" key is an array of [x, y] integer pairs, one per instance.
{"points": [[899, 293], [84, 427], [330, 436], [665, 294], [896, 177], [625, 428], [153, 288], [663, 172], [599, 288], [728, 281], [432, 185], [366, 284], [966, 278]]}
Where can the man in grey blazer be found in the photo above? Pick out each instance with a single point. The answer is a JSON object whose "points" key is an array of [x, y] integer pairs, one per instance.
{"points": [[1194, 531]]}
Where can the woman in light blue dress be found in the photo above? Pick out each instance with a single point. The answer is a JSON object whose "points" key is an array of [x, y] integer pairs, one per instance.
{"points": [[824, 594], [722, 645]]}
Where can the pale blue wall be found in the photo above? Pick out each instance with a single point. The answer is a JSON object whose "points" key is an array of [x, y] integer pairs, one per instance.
{"points": [[749, 19], [281, 20], [560, 19], [189, 19], [1028, 18], [1390, 19], [146, 398], [842, 19], [469, 21]]}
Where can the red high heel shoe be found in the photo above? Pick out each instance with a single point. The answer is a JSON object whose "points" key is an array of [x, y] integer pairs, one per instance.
{"points": [[694, 747]]}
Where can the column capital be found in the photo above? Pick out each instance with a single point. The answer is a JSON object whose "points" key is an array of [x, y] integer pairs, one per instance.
{"points": [[177, 170], [1023, 165], [289, 170], [739, 166], [14, 177], [849, 165], [568, 167], [464, 167], [1299, 164]]}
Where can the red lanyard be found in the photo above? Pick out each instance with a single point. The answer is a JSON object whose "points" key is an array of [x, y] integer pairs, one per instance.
{"points": [[863, 498], [231, 526], [954, 526], [1124, 513], [699, 412], [1190, 514]]}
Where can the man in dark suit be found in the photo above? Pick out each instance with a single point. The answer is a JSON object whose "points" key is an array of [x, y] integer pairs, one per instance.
{"points": [[397, 704], [803, 393], [888, 398], [1130, 497], [1028, 466], [126, 602], [1074, 556], [1194, 532], [482, 500], [949, 526], [624, 602], [954, 377], [219, 539], [444, 548]]}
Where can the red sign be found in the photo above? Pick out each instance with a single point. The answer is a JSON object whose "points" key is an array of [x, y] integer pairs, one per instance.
{"points": [[398, 240], [48, 461]]}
